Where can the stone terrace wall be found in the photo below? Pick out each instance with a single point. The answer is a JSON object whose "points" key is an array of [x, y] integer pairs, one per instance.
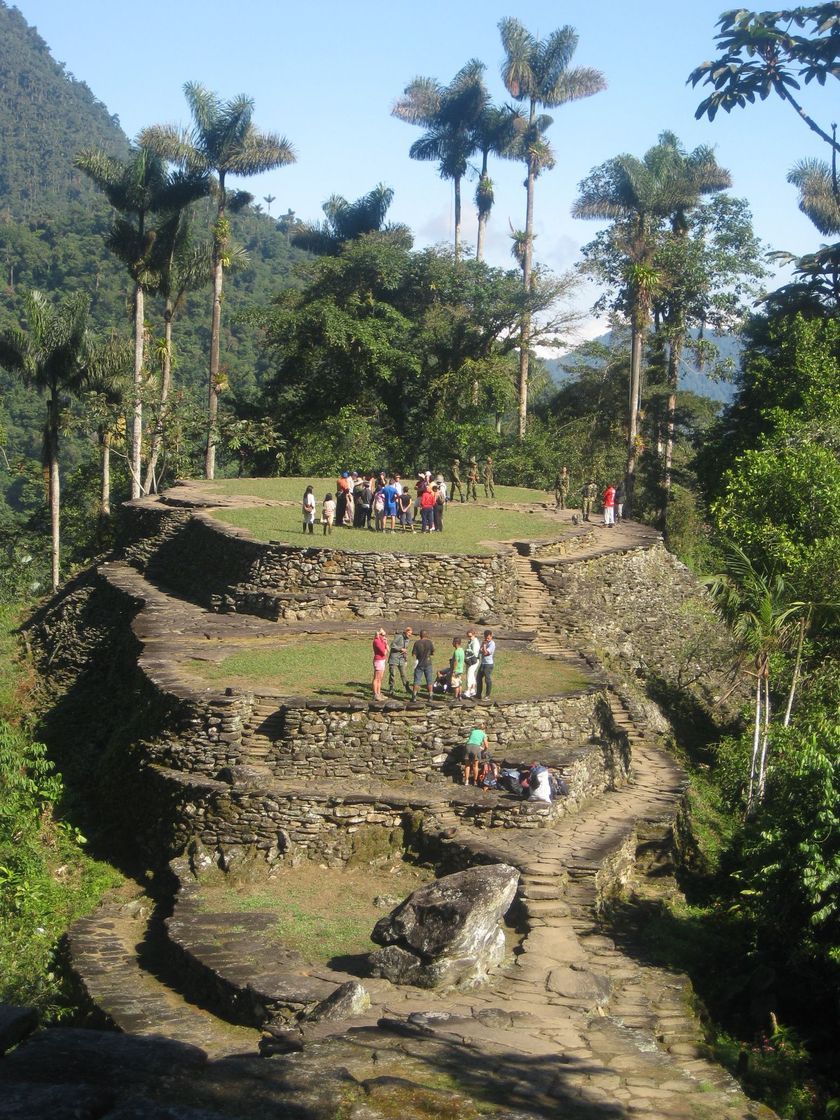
{"points": [[224, 569], [644, 613], [411, 744]]}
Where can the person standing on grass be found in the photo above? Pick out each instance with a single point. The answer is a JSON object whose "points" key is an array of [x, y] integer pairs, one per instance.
{"points": [[328, 513], [484, 678], [489, 481], [455, 483], [472, 479], [456, 664], [427, 509], [423, 652], [405, 505], [609, 507], [398, 659], [472, 657], [308, 509], [390, 494], [380, 656], [588, 494], [439, 507]]}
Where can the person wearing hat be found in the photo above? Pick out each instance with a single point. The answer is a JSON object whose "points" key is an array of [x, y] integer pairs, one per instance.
{"points": [[456, 480], [472, 480], [588, 493], [489, 488]]}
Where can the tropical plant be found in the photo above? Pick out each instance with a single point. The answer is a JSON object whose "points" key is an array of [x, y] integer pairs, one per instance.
{"points": [[537, 71], [348, 220], [495, 134], [223, 141], [761, 610], [138, 189], [639, 195], [50, 352], [763, 53], [450, 114]]}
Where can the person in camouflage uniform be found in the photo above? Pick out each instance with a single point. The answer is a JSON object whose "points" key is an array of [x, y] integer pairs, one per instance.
{"points": [[455, 483], [489, 487], [472, 480], [561, 487], [588, 493]]}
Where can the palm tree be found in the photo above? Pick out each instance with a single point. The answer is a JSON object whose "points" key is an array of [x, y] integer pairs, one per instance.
{"points": [[222, 141], [268, 199], [537, 71], [138, 189], [637, 195], [51, 354], [495, 133], [182, 267], [761, 612], [347, 220], [450, 115]]}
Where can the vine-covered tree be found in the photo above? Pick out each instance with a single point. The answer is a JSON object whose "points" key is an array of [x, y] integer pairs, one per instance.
{"points": [[538, 72], [223, 141]]}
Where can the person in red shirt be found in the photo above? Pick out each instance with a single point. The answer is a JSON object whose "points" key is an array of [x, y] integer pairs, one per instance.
{"points": [[609, 507], [427, 510], [380, 657]]}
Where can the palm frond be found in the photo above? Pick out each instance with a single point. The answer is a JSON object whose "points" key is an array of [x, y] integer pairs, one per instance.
{"points": [[517, 69]]}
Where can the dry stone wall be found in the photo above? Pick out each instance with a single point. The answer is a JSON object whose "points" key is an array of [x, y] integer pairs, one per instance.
{"points": [[644, 613], [225, 570]]}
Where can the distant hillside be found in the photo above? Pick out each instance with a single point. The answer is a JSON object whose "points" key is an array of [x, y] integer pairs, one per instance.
{"points": [[692, 380], [53, 225], [46, 116]]}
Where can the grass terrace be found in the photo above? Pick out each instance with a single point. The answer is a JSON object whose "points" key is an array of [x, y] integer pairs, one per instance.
{"points": [[469, 529], [343, 667]]}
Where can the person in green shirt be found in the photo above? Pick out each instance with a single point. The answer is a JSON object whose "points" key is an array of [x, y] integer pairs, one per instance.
{"points": [[456, 664], [475, 750]]}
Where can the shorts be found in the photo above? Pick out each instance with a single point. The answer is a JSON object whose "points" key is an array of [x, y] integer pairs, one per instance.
{"points": [[455, 682], [426, 670], [390, 511], [378, 664]]}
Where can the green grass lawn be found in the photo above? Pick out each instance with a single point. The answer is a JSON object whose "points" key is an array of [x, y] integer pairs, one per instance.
{"points": [[291, 489], [468, 530], [344, 667], [324, 913]]}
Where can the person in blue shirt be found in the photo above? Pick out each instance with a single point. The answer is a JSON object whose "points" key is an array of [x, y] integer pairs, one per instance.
{"points": [[390, 494], [487, 655]]}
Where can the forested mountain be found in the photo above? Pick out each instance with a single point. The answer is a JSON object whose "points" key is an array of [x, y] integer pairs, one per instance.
{"points": [[53, 227], [46, 115], [704, 382]]}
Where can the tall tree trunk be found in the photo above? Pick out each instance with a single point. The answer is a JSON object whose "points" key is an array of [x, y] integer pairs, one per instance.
{"points": [[803, 624], [765, 737], [756, 743], [150, 484], [55, 488], [457, 217], [137, 421], [636, 345], [525, 327], [675, 348], [482, 230], [220, 238], [105, 491]]}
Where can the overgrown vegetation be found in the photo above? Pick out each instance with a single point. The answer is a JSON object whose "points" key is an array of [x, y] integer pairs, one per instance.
{"points": [[46, 878]]}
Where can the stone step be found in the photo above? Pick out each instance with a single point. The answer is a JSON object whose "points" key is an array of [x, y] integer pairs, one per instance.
{"points": [[105, 953]]}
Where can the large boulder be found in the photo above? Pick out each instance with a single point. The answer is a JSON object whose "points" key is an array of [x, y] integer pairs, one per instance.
{"points": [[447, 933]]}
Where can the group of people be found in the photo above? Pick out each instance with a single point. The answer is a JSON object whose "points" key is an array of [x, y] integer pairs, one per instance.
{"points": [[612, 499], [477, 768], [385, 502], [468, 673]]}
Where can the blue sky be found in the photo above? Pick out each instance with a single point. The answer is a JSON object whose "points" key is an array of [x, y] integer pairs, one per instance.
{"points": [[326, 73]]}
